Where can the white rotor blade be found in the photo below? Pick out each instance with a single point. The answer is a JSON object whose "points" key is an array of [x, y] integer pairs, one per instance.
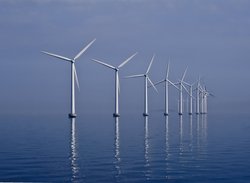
{"points": [[126, 61], [183, 76], [135, 76], [150, 64], [173, 84], [102, 63], [211, 94], [186, 83], [76, 77], [84, 49], [199, 81], [152, 84], [185, 89], [177, 83], [159, 82], [58, 56], [194, 83], [167, 71]]}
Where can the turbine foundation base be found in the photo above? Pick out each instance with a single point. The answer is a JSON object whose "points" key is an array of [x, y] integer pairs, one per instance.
{"points": [[145, 114], [180, 113], [116, 115], [165, 114], [72, 115]]}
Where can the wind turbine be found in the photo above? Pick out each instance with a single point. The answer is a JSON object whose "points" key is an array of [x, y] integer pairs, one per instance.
{"points": [[146, 79], [74, 77], [202, 100], [181, 86], [117, 82], [190, 97], [198, 96], [204, 94], [166, 81]]}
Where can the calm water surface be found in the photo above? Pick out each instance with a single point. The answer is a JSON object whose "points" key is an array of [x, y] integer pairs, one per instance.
{"points": [[205, 148]]}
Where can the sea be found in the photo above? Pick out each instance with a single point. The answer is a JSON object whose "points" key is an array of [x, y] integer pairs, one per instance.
{"points": [[206, 148]]}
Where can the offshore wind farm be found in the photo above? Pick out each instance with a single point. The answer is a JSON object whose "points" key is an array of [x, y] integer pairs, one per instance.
{"points": [[201, 97], [148, 91]]}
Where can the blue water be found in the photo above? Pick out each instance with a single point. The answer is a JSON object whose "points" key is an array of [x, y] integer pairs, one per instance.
{"points": [[205, 148]]}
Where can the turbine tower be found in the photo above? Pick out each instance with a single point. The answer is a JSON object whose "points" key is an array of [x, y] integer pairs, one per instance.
{"points": [[166, 81], [74, 77], [117, 82], [181, 86], [146, 79]]}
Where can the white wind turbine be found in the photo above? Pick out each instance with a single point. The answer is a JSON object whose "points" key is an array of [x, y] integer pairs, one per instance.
{"points": [[204, 95], [198, 89], [166, 81], [201, 100], [117, 82], [204, 99], [190, 97], [146, 79], [74, 78], [181, 86]]}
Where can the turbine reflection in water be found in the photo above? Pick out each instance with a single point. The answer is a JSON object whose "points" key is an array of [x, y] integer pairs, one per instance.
{"points": [[74, 153], [146, 149], [191, 127], [181, 133], [117, 149], [198, 130], [167, 146], [191, 132], [202, 134], [204, 126]]}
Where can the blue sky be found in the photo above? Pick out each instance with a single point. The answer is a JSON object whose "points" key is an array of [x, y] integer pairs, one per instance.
{"points": [[211, 37]]}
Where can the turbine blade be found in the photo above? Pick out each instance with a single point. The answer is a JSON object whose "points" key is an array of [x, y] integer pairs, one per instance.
{"points": [[150, 64], [167, 71], [84, 49], [58, 56], [186, 83], [185, 89], [76, 77], [159, 82], [152, 84], [135, 76], [183, 76], [199, 81], [102, 63], [212, 95], [127, 60], [173, 84]]}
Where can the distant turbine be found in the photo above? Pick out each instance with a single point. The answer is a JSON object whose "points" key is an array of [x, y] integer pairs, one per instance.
{"points": [[198, 96], [166, 81], [117, 82], [190, 97], [204, 98], [204, 94], [181, 86], [201, 100], [74, 77], [146, 79]]}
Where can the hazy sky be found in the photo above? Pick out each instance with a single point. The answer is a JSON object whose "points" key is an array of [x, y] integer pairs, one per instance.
{"points": [[211, 37]]}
